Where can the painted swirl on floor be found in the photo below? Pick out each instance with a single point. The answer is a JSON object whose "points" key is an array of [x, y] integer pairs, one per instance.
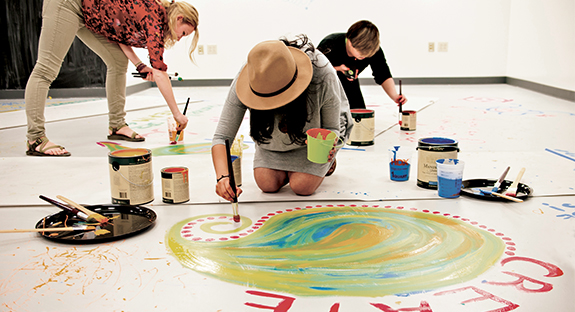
{"points": [[345, 251]]}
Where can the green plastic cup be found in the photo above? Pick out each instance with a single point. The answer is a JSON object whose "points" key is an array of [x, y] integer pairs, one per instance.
{"points": [[319, 143]]}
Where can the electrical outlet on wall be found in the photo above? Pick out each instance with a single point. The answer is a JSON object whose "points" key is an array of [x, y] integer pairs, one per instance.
{"points": [[212, 49], [200, 49], [431, 47], [442, 47]]}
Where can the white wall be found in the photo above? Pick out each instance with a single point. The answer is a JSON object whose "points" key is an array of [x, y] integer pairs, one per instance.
{"points": [[542, 42], [480, 40]]}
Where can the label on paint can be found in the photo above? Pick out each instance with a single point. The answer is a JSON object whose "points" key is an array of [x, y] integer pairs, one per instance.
{"points": [[131, 177], [175, 185], [408, 120], [430, 150], [363, 131]]}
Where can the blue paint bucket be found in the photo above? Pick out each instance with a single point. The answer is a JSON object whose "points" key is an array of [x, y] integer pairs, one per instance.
{"points": [[429, 151], [399, 163]]}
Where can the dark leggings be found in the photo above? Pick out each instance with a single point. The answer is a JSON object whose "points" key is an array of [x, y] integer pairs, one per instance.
{"points": [[352, 91]]}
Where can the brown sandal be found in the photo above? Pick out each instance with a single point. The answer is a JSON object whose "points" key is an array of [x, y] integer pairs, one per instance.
{"points": [[41, 142], [118, 136]]}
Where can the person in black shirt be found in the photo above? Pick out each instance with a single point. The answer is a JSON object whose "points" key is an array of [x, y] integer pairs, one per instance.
{"points": [[351, 53]]}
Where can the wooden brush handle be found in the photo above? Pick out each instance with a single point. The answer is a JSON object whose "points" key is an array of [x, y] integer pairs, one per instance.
{"points": [[519, 176], [62, 229], [507, 197], [75, 205]]}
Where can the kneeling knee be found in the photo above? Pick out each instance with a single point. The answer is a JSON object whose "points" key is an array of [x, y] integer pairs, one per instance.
{"points": [[302, 189]]}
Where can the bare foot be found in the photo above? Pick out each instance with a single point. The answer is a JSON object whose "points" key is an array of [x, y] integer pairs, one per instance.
{"points": [[48, 150], [126, 131]]}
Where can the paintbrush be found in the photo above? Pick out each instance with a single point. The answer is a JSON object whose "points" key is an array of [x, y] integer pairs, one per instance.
{"points": [[512, 190], [144, 75], [500, 195], [400, 109], [57, 229], [180, 131], [232, 182], [92, 216], [73, 211], [498, 183]]}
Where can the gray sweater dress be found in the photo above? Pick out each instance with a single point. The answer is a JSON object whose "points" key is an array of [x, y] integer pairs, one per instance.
{"points": [[326, 96]]}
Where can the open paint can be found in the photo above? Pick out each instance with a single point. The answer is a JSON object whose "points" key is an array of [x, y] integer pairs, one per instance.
{"points": [[363, 130], [131, 176], [175, 185], [429, 151], [408, 120]]}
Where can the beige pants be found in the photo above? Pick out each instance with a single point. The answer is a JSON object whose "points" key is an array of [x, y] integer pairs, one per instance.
{"points": [[62, 20]]}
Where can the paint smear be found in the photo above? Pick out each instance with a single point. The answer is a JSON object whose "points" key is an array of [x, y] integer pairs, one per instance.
{"points": [[180, 149], [345, 251]]}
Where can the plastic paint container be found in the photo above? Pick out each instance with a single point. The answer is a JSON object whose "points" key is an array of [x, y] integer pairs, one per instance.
{"points": [[430, 150], [362, 133], [131, 176], [172, 130], [408, 120], [175, 185]]}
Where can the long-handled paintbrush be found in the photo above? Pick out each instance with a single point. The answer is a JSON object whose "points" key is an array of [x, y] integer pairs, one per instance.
{"points": [[91, 215], [512, 190], [500, 195], [180, 131], [65, 207], [498, 183], [232, 182], [400, 108], [55, 229]]}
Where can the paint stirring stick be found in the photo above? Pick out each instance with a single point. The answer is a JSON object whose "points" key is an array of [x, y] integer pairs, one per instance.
{"points": [[180, 131], [56, 229], [67, 208], [498, 183], [512, 190], [232, 182], [91, 215]]}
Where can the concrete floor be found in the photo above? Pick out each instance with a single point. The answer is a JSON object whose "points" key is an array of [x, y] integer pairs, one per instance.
{"points": [[495, 125]]}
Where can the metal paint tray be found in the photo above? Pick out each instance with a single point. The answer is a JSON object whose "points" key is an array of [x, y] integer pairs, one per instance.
{"points": [[467, 186], [125, 221]]}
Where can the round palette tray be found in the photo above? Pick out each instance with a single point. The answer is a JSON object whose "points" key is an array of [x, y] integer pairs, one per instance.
{"points": [[468, 186], [125, 221]]}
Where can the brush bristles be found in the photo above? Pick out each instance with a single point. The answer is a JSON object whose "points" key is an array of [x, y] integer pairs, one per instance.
{"points": [[98, 218]]}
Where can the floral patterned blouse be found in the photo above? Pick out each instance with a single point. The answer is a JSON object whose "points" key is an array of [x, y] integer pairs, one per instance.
{"points": [[136, 23]]}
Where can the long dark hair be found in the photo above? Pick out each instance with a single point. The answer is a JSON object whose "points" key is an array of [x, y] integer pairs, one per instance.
{"points": [[292, 116]]}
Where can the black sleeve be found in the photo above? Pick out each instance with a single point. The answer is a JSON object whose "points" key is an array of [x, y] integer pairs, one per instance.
{"points": [[379, 67]]}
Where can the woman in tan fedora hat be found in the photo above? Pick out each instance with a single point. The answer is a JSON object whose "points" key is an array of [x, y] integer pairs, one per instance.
{"points": [[288, 87]]}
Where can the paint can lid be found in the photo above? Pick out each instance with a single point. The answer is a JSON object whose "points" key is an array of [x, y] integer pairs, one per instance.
{"points": [[362, 113], [437, 144]]}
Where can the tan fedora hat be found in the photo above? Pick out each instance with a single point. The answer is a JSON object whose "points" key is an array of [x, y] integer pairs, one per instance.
{"points": [[274, 76]]}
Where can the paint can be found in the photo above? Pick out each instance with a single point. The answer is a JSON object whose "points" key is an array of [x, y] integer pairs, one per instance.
{"points": [[362, 133], [131, 176], [175, 185], [429, 151], [408, 120]]}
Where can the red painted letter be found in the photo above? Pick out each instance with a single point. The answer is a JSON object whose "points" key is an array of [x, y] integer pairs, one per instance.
{"points": [[553, 270], [283, 306], [484, 296], [423, 307]]}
